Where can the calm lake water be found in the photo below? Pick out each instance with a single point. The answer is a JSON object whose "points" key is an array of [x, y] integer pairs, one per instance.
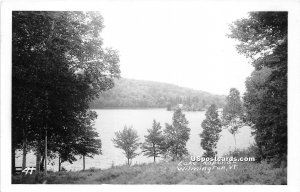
{"points": [[111, 120]]}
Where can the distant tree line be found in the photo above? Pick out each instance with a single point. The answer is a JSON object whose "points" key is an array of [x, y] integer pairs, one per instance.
{"points": [[129, 93]]}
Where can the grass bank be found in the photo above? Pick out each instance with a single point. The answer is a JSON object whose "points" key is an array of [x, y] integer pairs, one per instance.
{"points": [[247, 173]]}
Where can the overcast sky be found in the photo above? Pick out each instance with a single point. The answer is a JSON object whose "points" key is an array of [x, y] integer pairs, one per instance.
{"points": [[182, 43]]}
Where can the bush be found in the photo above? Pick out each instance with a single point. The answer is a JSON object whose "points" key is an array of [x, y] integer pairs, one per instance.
{"points": [[93, 169], [251, 151]]}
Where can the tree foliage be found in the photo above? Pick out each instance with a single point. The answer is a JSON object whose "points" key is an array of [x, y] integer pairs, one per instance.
{"points": [[128, 141], [176, 135], [58, 67], [212, 127], [153, 145], [264, 37], [259, 34]]}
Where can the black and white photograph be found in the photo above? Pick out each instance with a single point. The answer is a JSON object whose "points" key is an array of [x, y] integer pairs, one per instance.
{"points": [[149, 92]]}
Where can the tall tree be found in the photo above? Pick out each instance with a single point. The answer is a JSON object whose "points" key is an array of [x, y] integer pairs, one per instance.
{"points": [[58, 67], [263, 38], [128, 141], [176, 136], [254, 104], [152, 147], [233, 113], [210, 135]]}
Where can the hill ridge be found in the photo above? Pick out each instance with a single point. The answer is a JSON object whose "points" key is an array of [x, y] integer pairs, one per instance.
{"points": [[134, 93]]}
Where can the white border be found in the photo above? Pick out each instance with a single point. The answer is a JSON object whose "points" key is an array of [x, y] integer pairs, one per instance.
{"points": [[292, 6]]}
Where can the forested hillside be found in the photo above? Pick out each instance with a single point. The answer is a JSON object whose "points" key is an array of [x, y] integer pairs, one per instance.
{"points": [[130, 93]]}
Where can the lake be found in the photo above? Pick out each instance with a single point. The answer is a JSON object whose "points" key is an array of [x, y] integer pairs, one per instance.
{"points": [[111, 120]]}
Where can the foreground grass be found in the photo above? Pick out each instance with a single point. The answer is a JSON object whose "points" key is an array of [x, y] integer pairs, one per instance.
{"points": [[167, 173]]}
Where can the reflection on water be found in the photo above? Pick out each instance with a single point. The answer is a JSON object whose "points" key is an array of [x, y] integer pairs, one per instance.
{"points": [[111, 120]]}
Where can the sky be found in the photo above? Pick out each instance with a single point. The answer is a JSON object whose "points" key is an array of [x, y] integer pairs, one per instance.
{"points": [[182, 43]]}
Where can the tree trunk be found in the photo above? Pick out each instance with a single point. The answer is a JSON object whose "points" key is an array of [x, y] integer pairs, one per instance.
{"points": [[38, 161], [24, 153], [37, 166], [45, 153], [24, 158], [59, 163], [234, 142], [42, 162], [128, 161], [154, 151], [24, 150], [83, 157], [13, 162]]}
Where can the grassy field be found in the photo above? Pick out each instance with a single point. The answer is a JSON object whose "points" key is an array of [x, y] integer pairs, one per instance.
{"points": [[244, 173]]}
